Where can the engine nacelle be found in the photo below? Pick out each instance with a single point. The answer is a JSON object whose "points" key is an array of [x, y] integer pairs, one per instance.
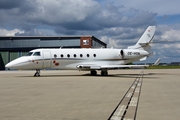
{"points": [[132, 53]]}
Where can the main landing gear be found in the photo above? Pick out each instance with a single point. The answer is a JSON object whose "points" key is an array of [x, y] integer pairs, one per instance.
{"points": [[103, 72], [93, 72], [37, 73]]}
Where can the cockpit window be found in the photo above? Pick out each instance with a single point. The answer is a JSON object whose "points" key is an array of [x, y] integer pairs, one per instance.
{"points": [[29, 54], [37, 54]]}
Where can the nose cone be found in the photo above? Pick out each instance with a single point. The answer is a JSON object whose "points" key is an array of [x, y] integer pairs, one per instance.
{"points": [[9, 65], [12, 64], [17, 63]]}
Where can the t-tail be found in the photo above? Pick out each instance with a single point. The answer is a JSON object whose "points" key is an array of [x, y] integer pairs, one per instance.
{"points": [[145, 40]]}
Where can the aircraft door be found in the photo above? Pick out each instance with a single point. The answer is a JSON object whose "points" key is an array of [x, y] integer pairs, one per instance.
{"points": [[47, 59]]}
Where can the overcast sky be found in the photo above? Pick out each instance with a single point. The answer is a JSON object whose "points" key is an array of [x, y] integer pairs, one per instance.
{"points": [[119, 23]]}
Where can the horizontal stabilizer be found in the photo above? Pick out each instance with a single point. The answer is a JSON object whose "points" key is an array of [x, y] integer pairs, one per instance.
{"points": [[144, 58]]}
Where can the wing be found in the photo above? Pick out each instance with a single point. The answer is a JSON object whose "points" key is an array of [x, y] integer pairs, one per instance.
{"points": [[108, 67], [122, 66]]}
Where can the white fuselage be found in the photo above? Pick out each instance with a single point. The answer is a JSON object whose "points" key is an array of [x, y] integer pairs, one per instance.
{"points": [[75, 58]]}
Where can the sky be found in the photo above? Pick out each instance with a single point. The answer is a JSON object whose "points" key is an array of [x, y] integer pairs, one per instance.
{"points": [[119, 23]]}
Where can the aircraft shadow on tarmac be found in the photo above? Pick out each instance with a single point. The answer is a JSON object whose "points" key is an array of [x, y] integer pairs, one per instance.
{"points": [[160, 74], [110, 75], [129, 76]]}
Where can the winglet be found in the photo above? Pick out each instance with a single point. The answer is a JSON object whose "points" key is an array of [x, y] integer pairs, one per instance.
{"points": [[157, 62]]}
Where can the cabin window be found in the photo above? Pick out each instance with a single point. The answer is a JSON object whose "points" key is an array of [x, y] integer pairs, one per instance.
{"points": [[68, 55], [55, 55], [94, 55], [74, 55], [81, 55], [29, 54], [62, 55], [87, 55], [37, 54]]}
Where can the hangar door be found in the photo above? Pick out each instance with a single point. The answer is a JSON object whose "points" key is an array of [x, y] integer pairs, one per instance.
{"points": [[47, 59]]}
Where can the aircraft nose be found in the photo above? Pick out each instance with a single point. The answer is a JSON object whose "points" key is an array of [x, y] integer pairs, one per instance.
{"points": [[19, 63], [9, 65], [15, 64]]}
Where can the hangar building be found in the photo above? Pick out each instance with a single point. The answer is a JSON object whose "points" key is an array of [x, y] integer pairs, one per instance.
{"points": [[12, 47]]}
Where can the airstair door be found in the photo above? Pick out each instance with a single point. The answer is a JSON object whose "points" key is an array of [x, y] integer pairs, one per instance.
{"points": [[47, 59]]}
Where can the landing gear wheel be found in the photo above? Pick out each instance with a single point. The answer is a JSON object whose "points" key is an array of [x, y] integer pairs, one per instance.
{"points": [[93, 72], [37, 73], [104, 73]]}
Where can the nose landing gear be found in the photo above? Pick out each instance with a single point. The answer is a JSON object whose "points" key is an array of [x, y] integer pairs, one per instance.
{"points": [[37, 73]]}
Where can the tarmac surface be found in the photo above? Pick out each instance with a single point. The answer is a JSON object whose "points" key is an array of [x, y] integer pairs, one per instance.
{"points": [[74, 95]]}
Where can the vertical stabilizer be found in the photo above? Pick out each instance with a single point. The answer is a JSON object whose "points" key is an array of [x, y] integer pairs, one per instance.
{"points": [[146, 38]]}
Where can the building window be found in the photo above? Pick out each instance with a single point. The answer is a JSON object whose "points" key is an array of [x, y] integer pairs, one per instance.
{"points": [[81, 55], [85, 42], [87, 55], [62, 55], [68, 55]]}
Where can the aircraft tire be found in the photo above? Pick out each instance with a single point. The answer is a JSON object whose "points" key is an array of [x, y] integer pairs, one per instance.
{"points": [[93, 72], [104, 73], [37, 73]]}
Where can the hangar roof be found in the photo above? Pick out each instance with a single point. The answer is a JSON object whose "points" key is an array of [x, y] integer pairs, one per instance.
{"points": [[47, 38], [43, 39]]}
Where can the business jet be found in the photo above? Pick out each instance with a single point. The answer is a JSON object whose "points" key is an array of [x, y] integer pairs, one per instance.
{"points": [[93, 60]]}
